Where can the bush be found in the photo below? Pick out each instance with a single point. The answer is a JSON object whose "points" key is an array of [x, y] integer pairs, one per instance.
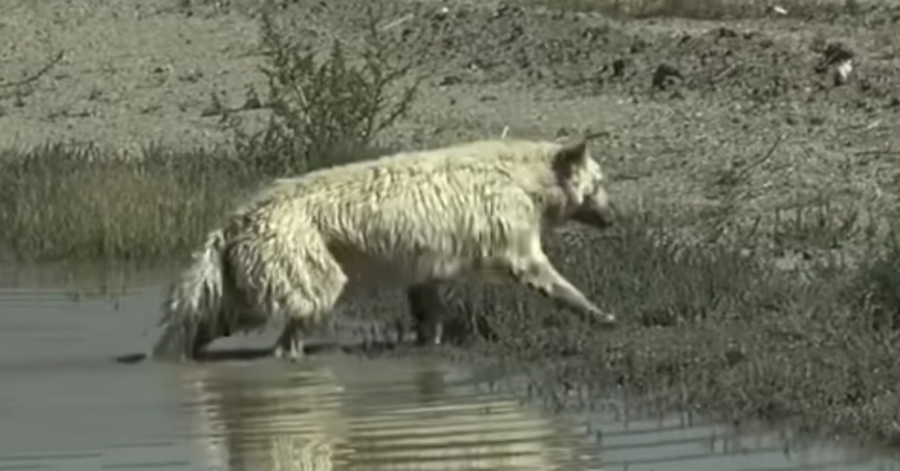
{"points": [[324, 111]]}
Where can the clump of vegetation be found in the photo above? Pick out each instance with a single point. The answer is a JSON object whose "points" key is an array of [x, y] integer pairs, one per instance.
{"points": [[876, 287], [325, 111], [62, 202], [74, 201]]}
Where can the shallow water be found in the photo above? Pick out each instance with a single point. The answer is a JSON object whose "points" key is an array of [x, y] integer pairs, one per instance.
{"points": [[65, 404]]}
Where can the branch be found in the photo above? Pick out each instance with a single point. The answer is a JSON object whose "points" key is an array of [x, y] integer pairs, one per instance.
{"points": [[43, 70], [744, 171]]}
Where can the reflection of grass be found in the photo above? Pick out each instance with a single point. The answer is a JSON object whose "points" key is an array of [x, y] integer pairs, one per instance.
{"points": [[62, 202], [709, 328], [705, 9]]}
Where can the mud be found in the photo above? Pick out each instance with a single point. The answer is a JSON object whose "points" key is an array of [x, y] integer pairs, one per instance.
{"points": [[67, 405]]}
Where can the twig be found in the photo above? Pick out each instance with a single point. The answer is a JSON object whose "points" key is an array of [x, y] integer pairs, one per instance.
{"points": [[43, 70], [723, 73], [304, 103], [505, 132], [867, 127], [627, 177], [768, 155], [877, 152], [397, 22], [222, 111], [596, 134]]}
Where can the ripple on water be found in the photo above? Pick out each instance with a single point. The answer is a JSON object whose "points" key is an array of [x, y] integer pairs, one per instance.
{"points": [[370, 414]]}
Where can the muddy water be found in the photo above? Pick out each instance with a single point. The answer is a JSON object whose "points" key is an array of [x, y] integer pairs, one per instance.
{"points": [[65, 404]]}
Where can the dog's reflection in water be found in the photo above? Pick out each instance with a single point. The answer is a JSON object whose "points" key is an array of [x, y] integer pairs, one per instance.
{"points": [[336, 412]]}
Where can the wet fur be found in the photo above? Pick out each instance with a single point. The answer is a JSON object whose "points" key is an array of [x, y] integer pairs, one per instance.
{"points": [[474, 209]]}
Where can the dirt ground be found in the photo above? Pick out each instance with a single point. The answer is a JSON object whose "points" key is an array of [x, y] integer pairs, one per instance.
{"points": [[750, 127]]}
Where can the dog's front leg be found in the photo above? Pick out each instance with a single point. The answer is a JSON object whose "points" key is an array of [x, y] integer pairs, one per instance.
{"points": [[538, 273]]}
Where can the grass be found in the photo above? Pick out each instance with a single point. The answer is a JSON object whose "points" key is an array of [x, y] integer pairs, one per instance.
{"points": [[64, 202], [71, 202], [712, 329]]}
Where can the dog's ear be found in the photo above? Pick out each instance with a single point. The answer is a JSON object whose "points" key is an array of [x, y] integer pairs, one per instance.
{"points": [[571, 155]]}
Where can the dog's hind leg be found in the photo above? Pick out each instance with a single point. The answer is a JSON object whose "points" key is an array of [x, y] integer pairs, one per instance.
{"points": [[289, 345], [427, 310], [289, 275], [317, 281]]}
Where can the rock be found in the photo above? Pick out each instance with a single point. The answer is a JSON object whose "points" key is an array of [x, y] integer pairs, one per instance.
{"points": [[618, 67], [664, 76]]}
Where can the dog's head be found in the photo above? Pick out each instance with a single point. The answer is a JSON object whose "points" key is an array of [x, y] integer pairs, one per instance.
{"points": [[584, 183]]}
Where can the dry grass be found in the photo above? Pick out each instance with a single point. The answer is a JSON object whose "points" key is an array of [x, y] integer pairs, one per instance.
{"points": [[70, 202]]}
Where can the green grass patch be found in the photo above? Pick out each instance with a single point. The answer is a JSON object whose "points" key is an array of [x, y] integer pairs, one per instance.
{"points": [[710, 328]]}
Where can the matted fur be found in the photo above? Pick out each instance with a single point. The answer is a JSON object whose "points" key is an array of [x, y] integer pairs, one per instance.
{"points": [[408, 219]]}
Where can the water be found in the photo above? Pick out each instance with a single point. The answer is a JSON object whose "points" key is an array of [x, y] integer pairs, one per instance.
{"points": [[65, 404]]}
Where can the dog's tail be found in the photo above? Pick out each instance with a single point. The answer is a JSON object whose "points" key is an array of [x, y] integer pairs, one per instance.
{"points": [[193, 311]]}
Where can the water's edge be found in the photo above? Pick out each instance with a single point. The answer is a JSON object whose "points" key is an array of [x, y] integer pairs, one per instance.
{"points": [[69, 405]]}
